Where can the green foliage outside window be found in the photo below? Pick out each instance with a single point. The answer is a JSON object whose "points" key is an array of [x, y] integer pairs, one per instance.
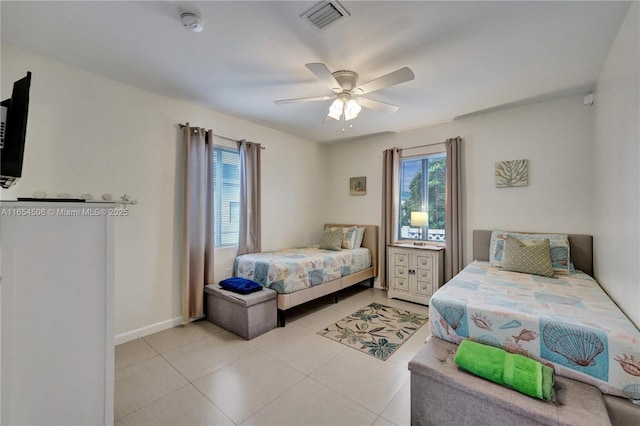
{"points": [[415, 197]]}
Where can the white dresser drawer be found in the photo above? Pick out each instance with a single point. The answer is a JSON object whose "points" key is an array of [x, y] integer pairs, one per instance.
{"points": [[401, 284], [401, 271], [425, 261], [424, 275], [401, 258], [424, 288]]}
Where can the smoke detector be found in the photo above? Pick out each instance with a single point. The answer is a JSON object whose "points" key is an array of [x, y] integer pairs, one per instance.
{"points": [[192, 22]]}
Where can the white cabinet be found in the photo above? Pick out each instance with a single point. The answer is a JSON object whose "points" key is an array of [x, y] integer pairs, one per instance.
{"points": [[57, 359], [415, 272]]}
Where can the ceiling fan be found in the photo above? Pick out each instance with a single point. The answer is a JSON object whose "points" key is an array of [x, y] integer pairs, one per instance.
{"points": [[348, 95]]}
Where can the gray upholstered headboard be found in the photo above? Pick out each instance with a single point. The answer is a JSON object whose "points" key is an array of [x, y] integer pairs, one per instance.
{"points": [[581, 248]]}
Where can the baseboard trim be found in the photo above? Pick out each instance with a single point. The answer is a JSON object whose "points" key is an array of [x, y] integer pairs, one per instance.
{"points": [[145, 331]]}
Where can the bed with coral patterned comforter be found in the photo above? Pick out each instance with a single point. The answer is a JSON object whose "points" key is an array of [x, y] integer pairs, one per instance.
{"points": [[568, 321], [290, 270]]}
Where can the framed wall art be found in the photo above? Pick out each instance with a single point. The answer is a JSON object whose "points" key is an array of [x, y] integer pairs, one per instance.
{"points": [[512, 173], [358, 185]]}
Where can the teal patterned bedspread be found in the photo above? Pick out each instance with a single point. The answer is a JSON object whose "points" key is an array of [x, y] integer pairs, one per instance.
{"points": [[289, 270], [568, 322]]}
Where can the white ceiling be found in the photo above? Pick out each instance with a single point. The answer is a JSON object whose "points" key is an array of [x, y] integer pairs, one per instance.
{"points": [[466, 56]]}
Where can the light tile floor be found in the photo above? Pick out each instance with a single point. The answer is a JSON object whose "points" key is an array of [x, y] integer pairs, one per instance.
{"points": [[200, 374]]}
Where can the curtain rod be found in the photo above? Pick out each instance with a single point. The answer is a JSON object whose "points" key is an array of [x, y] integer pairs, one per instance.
{"points": [[182, 126], [422, 146]]}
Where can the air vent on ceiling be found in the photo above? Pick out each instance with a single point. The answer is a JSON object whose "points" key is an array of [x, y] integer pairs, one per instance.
{"points": [[324, 14]]}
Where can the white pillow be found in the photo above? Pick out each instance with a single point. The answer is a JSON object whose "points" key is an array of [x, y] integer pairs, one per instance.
{"points": [[349, 237], [359, 236]]}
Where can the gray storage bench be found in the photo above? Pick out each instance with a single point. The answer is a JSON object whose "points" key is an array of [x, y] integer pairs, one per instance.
{"points": [[245, 315], [442, 394]]}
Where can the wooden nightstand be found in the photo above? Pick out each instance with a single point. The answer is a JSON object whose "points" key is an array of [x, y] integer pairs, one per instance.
{"points": [[415, 272]]}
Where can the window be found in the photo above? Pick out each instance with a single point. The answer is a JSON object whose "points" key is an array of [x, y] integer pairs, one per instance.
{"points": [[422, 189], [226, 196]]}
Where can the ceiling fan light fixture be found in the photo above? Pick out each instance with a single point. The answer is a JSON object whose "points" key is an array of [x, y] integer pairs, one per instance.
{"points": [[351, 109], [335, 110], [347, 102]]}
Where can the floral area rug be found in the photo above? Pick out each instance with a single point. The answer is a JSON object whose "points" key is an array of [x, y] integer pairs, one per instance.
{"points": [[377, 330]]}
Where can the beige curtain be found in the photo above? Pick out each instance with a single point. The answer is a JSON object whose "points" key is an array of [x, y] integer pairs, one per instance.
{"points": [[390, 170], [249, 239], [197, 255], [453, 209]]}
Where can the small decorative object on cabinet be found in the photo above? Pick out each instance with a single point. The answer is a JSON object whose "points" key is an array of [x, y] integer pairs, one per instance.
{"points": [[415, 272]]}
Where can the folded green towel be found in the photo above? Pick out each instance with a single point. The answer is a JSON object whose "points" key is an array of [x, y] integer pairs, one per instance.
{"points": [[515, 371]]}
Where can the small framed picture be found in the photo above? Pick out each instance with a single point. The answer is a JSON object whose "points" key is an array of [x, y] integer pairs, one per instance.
{"points": [[358, 185], [512, 173]]}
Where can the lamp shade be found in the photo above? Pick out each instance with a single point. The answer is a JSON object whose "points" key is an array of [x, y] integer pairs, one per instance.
{"points": [[419, 219], [351, 109], [335, 110]]}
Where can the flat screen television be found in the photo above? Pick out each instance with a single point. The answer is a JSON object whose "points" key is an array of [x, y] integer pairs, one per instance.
{"points": [[13, 132]]}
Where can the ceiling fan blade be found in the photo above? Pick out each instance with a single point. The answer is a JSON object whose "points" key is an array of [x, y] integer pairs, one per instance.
{"points": [[322, 72], [377, 105], [391, 79], [311, 99]]}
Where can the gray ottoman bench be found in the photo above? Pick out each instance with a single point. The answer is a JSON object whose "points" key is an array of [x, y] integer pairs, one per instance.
{"points": [[442, 394], [245, 315]]}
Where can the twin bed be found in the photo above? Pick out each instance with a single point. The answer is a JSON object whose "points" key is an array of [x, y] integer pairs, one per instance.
{"points": [[566, 320], [303, 274]]}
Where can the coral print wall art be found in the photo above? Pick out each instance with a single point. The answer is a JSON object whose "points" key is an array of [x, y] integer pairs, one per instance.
{"points": [[512, 173]]}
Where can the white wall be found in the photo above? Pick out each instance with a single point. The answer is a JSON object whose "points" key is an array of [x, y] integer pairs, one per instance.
{"points": [[555, 136], [89, 134], [617, 161]]}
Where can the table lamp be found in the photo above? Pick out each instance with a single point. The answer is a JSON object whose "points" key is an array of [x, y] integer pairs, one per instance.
{"points": [[419, 220]]}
